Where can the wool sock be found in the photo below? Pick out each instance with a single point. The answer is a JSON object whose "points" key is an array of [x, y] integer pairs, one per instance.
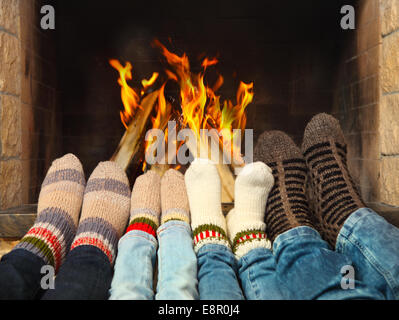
{"points": [[335, 193], [204, 194], [60, 201], [146, 203], [174, 198], [245, 223], [287, 206], [105, 209]]}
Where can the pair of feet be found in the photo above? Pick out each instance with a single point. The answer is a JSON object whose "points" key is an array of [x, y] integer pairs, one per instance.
{"points": [[323, 159], [277, 182], [72, 213]]}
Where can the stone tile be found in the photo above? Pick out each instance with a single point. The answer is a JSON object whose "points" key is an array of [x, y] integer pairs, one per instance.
{"points": [[389, 180], [10, 65], [389, 125], [390, 64], [9, 16], [10, 126], [11, 183], [389, 16]]}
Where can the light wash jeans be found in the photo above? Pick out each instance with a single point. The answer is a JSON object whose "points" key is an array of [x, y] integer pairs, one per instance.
{"points": [[177, 265]]}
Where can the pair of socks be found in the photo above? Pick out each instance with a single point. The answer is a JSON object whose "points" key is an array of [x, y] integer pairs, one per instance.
{"points": [[156, 201], [270, 194], [243, 229], [72, 213], [323, 158]]}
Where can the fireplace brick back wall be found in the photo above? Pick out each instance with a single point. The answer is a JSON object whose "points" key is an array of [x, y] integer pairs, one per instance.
{"points": [[29, 120]]}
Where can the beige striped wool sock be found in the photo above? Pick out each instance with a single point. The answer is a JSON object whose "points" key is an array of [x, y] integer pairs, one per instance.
{"points": [[105, 210], [146, 203], [174, 198], [59, 205]]}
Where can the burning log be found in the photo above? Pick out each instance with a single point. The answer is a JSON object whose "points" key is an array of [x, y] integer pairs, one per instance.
{"points": [[133, 137]]}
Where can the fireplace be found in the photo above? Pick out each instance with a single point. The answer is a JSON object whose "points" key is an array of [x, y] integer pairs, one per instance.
{"points": [[59, 93]]}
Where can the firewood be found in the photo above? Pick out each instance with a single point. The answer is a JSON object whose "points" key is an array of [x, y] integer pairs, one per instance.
{"points": [[131, 140]]}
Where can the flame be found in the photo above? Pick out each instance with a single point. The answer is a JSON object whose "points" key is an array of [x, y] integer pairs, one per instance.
{"points": [[130, 97], [201, 107]]}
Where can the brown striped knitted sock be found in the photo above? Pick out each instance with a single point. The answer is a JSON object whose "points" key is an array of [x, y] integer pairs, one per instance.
{"points": [[146, 203], [59, 205], [174, 197], [245, 223], [287, 206], [335, 193], [105, 209], [204, 194]]}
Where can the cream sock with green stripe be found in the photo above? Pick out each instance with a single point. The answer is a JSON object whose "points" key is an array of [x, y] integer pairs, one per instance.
{"points": [[204, 194], [59, 205], [245, 223]]}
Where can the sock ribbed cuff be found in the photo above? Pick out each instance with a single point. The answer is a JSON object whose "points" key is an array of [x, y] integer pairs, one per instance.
{"points": [[209, 234], [143, 223], [99, 233]]}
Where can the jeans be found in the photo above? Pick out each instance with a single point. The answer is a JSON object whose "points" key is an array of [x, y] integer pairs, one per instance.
{"points": [[177, 265], [257, 272], [217, 274], [311, 270], [85, 274], [20, 275], [373, 245]]}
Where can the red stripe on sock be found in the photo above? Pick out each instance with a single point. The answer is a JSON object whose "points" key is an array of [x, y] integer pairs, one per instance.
{"points": [[92, 242], [50, 238], [142, 227]]}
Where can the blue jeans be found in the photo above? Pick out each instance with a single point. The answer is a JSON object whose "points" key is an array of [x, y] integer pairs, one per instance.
{"points": [[373, 245], [177, 265], [217, 273], [311, 270]]}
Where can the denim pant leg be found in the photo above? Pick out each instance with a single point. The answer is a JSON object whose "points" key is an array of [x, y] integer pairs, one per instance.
{"points": [[20, 275], [134, 267], [177, 262], [373, 245], [217, 274], [86, 274], [257, 272], [310, 270]]}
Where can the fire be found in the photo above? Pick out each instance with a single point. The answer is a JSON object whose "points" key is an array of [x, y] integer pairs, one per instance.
{"points": [[130, 97], [201, 107]]}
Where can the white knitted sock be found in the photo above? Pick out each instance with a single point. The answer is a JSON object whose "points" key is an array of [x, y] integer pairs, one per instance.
{"points": [[204, 194], [245, 223]]}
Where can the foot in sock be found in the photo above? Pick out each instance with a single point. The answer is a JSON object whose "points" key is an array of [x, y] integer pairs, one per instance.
{"points": [[287, 206], [105, 209], [204, 193], [59, 205], [335, 193], [245, 223], [174, 198], [146, 203]]}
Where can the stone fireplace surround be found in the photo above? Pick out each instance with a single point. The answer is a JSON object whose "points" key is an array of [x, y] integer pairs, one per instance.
{"points": [[59, 95]]}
